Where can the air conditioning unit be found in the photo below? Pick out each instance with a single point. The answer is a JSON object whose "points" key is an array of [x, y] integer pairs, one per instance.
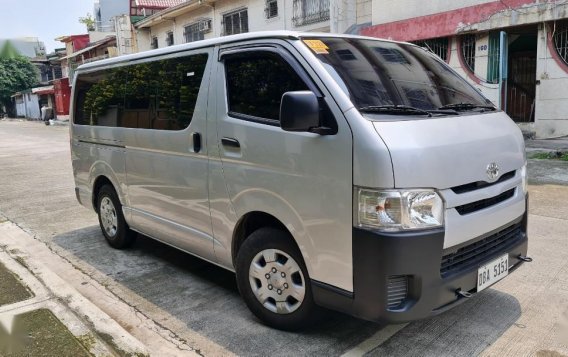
{"points": [[205, 25]]}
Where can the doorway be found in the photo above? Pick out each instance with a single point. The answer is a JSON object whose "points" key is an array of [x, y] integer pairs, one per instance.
{"points": [[521, 81]]}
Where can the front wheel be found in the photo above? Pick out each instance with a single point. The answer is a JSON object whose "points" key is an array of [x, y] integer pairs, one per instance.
{"points": [[114, 227], [274, 281]]}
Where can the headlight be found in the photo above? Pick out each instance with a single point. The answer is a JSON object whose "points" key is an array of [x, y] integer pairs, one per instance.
{"points": [[399, 210], [525, 179]]}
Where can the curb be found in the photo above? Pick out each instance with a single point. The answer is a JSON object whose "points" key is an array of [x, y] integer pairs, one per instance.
{"points": [[41, 269]]}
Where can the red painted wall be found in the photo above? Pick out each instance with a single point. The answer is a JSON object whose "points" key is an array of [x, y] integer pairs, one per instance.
{"points": [[62, 96], [440, 24], [79, 42]]}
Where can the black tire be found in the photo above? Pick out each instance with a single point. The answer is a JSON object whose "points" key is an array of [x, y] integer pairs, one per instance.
{"points": [[270, 238], [122, 237]]}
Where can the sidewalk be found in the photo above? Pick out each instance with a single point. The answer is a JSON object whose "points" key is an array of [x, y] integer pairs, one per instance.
{"points": [[43, 315], [557, 144], [59, 121]]}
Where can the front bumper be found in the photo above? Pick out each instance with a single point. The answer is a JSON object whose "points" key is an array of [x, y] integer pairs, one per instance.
{"points": [[418, 256]]}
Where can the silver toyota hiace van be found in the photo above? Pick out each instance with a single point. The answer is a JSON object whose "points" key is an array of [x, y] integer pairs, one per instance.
{"points": [[344, 172]]}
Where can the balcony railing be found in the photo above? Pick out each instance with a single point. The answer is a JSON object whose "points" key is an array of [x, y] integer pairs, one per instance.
{"points": [[308, 12], [93, 59]]}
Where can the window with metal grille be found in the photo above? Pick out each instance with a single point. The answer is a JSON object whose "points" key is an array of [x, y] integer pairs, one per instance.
{"points": [[57, 72], [271, 9], [468, 51], [561, 40], [439, 46], [235, 22], [192, 32], [493, 58], [169, 38], [154, 43], [308, 12]]}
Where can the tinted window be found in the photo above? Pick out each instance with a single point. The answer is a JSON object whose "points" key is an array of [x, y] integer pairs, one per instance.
{"points": [[100, 97], [153, 95], [376, 73], [256, 83]]}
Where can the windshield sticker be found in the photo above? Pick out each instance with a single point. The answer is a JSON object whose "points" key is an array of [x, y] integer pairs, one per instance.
{"points": [[317, 46]]}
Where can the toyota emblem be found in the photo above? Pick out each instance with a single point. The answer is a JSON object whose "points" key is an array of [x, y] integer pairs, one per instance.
{"points": [[492, 171]]}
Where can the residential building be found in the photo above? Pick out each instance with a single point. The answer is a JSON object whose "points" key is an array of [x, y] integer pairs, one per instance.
{"points": [[27, 104], [49, 66], [514, 51], [106, 10], [195, 20], [122, 19], [79, 49], [140, 9], [26, 46]]}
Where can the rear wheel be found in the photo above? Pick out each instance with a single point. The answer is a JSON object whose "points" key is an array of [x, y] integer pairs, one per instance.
{"points": [[274, 281], [111, 219]]}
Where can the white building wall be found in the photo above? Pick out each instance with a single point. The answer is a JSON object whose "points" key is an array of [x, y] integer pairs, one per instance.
{"points": [[385, 11], [344, 13], [551, 103], [489, 90], [125, 42], [364, 11]]}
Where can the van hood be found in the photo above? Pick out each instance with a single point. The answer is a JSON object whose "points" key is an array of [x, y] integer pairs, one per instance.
{"points": [[443, 152]]}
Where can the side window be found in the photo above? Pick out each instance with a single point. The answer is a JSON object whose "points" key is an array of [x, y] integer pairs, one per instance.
{"points": [[153, 95], [100, 97], [255, 84]]}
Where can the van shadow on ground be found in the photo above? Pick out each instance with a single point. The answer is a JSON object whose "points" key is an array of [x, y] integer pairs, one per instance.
{"points": [[205, 297]]}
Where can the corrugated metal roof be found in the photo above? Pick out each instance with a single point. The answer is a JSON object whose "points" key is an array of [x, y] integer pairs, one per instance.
{"points": [[43, 90], [93, 45], [158, 4]]}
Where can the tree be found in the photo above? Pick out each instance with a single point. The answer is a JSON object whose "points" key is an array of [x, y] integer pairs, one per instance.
{"points": [[16, 73], [88, 21]]}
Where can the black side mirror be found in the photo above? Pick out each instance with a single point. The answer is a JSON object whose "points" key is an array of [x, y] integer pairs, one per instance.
{"points": [[300, 111]]}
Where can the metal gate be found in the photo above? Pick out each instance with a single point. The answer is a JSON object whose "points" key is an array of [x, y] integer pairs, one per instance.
{"points": [[521, 86]]}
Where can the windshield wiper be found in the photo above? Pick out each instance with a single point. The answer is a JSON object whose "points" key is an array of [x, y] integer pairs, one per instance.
{"points": [[394, 109], [403, 110], [467, 106]]}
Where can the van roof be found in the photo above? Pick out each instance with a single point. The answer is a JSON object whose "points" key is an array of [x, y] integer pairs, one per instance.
{"points": [[216, 41]]}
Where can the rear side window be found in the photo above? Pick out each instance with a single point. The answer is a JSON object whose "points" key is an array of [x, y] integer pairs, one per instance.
{"points": [[256, 82], [152, 95]]}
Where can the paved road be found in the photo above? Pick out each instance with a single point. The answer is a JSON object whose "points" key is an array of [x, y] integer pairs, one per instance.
{"points": [[199, 303]]}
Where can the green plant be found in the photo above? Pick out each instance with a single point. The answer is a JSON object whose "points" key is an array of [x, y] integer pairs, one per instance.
{"points": [[554, 155], [16, 73], [88, 21]]}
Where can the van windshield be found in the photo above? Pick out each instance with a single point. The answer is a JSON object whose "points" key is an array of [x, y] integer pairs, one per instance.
{"points": [[395, 78]]}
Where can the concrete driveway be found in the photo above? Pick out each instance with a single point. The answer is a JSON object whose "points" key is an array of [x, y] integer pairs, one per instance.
{"points": [[198, 303]]}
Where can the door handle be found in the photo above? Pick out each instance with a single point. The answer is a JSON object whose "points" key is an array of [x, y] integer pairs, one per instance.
{"points": [[230, 142], [196, 142]]}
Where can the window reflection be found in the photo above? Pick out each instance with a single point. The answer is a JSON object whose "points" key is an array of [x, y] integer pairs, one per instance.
{"points": [[257, 82], [387, 73], [153, 95]]}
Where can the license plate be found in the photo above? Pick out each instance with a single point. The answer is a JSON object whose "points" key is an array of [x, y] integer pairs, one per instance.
{"points": [[492, 272]]}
